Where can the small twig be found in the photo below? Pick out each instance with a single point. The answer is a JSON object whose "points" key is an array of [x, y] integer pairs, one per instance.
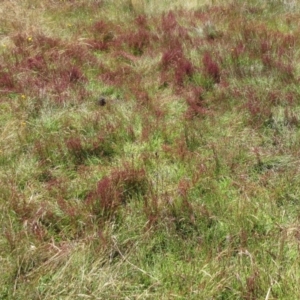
{"points": [[130, 263], [268, 293]]}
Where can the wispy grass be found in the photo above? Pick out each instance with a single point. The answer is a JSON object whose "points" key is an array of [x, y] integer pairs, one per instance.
{"points": [[149, 150]]}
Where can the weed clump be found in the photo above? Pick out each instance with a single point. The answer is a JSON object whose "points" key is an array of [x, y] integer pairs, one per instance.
{"points": [[175, 66], [6, 80], [211, 68], [117, 190]]}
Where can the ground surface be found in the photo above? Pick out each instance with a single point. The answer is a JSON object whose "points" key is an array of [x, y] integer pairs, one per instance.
{"points": [[149, 151]]}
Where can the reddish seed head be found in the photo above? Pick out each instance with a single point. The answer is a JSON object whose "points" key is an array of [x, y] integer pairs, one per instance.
{"points": [[211, 68]]}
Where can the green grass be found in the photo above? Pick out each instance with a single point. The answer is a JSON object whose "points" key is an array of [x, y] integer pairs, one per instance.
{"points": [[183, 184]]}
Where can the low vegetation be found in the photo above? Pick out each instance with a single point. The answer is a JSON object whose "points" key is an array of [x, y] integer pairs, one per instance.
{"points": [[148, 150]]}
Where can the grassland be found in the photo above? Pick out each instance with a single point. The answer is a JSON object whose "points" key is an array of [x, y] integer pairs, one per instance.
{"points": [[149, 151]]}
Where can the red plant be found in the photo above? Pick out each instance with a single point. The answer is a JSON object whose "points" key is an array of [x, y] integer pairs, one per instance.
{"points": [[141, 21], [174, 60], [267, 61], [37, 63], [135, 41], [100, 27], [105, 198], [286, 71], [103, 36], [141, 95], [291, 119], [183, 70], [171, 57], [45, 43], [48, 66], [117, 77], [114, 190], [237, 51], [76, 149], [274, 97], [265, 46], [211, 68], [76, 75], [170, 30], [289, 41], [168, 23], [98, 45], [6, 80], [77, 54], [195, 101], [259, 110]]}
